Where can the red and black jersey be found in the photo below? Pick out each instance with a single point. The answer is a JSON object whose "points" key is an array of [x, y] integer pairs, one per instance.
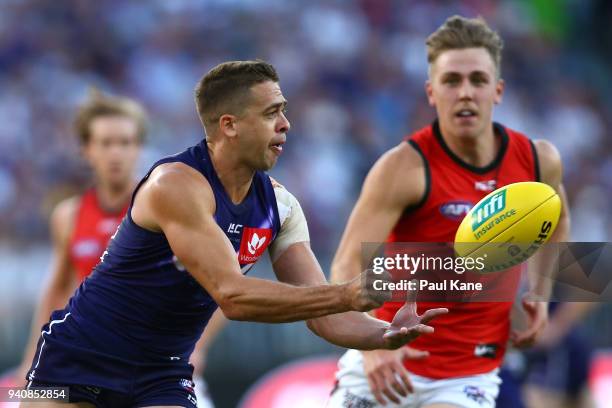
{"points": [[93, 228], [471, 338]]}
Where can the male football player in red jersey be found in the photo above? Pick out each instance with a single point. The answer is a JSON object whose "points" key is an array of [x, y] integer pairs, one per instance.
{"points": [[411, 195], [110, 130]]}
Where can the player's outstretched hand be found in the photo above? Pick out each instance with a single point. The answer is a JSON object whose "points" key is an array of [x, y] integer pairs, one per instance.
{"points": [[537, 314], [407, 325], [386, 373]]}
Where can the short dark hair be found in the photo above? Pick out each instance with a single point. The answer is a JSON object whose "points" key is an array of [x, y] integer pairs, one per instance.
{"points": [[226, 87], [459, 32], [99, 104]]}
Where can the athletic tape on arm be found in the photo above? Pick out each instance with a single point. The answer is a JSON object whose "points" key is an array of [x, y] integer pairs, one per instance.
{"points": [[293, 223]]}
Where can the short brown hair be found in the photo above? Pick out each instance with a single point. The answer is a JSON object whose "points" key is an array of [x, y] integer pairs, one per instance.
{"points": [[459, 32], [225, 88], [99, 104]]}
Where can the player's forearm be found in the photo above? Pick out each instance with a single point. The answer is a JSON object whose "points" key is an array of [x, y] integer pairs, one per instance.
{"points": [[261, 300], [344, 268], [353, 330]]}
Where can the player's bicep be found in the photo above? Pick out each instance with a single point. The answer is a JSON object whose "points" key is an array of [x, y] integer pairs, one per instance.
{"points": [[395, 182], [204, 250], [549, 162], [373, 216], [180, 201]]}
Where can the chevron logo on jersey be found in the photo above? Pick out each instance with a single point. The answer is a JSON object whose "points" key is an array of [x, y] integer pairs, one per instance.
{"points": [[253, 244]]}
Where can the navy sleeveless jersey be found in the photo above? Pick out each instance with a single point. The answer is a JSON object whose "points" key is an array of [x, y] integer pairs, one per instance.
{"points": [[140, 305]]}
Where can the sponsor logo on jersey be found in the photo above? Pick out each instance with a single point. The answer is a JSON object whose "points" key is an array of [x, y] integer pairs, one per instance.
{"points": [[253, 244], [107, 226], [456, 210], [234, 228], [485, 350], [86, 247], [488, 209], [488, 185]]}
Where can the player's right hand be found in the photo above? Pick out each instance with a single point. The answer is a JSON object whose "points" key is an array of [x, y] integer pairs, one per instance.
{"points": [[386, 373], [362, 296]]}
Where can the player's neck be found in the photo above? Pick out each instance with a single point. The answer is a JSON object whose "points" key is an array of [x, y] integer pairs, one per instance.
{"points": [[235, 177], [113, 198], [478, 151]]}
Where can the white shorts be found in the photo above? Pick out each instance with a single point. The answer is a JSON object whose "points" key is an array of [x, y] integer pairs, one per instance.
{"points": [[353, 390]]}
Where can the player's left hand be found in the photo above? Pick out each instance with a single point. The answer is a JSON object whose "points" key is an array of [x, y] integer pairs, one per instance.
{"points": [[407, 325], [537, 315]]}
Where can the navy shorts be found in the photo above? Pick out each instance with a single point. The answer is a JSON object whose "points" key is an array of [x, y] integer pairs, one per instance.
{"points": [[170, 392], [111, 382], [564, 368]]}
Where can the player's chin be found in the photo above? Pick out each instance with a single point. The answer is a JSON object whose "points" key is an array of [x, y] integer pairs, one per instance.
{"points": [[467, 131], [118, 178], [269, 162]]}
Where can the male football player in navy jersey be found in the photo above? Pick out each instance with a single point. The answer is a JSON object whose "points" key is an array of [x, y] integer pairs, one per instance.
{"points": [[197, 222]]}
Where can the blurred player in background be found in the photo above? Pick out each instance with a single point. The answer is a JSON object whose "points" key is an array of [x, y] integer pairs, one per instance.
{"points": [[406, 197], [111, 131], [560, 360], [554, 373], [197, 222]]}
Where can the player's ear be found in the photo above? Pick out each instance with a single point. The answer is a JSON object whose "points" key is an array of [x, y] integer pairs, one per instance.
{"points": [[499, 91], [227, 125], [429, 93]]}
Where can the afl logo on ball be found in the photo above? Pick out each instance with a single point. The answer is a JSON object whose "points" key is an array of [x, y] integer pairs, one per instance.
{"points": [[456, 210]]}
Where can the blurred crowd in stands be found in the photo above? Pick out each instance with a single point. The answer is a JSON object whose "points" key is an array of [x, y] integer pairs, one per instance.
{"points": [[353, 72]]}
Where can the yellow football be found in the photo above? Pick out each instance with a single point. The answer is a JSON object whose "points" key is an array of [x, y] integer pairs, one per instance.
{"points": [[509, 225]]}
